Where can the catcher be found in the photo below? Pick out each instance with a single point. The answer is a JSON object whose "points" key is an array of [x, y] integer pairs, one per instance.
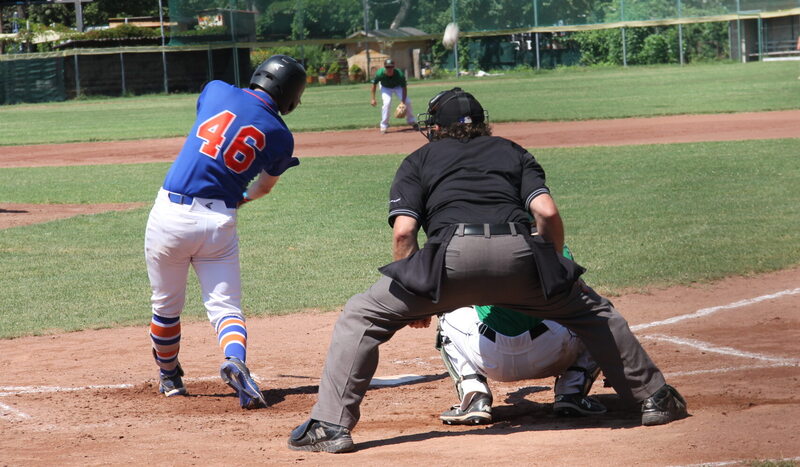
{"points": [[481, 342]]}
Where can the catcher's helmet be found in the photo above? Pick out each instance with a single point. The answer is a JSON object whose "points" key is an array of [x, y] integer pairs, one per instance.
{"points": [[284, 78], [451, 107]]}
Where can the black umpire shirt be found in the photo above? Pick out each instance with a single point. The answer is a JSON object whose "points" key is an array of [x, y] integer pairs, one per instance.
{"points": [[487, 180]]}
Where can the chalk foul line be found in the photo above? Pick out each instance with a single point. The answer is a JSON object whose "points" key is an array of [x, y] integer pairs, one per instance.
{"points": [[6, 411], [706, 347], [707, 311]]}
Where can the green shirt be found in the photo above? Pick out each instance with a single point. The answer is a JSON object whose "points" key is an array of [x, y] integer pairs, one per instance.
{"points": [[397, 79], [505, 321]]}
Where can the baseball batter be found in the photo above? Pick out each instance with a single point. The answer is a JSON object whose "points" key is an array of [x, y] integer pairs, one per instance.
{"points": [[393, 83], [238, 136]]}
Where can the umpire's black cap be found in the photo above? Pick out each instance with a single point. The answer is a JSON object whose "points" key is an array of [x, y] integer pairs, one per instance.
{"points": [[455, 106]]}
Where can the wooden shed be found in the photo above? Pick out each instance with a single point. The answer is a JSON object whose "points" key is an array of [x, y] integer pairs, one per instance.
{"points": [[375, 61], [405, 50]]}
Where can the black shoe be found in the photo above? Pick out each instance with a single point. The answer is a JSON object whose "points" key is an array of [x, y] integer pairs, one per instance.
{"points": [[576, 405], [665, 406], [172, 385], [479, 412], [317, 436]]}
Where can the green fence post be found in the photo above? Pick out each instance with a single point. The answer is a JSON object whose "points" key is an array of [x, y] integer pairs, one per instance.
{"points": [[680, 34], [77, 77], [122, 71], [163, 52], [536, 35], [624, 45], [739, 42], [760, 40], [455, 47]]}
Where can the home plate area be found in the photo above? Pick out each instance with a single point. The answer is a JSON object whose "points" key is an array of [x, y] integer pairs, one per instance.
{"points": [[735, 360]]}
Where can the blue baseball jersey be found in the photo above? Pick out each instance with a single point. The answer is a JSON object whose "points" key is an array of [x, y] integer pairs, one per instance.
{"points": [[237, 134]]}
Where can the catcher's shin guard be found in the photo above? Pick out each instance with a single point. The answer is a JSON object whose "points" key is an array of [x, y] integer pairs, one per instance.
{"points": [[441, 342], [467, 386]]}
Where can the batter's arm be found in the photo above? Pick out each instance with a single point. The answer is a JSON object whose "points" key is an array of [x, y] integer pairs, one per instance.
{"points": [[548, 220], [404, 237], [261, 185]]}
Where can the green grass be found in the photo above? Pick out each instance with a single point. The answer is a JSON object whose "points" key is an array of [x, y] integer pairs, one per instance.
{"points": [[563, 94], [637, 217], [772, 463]]}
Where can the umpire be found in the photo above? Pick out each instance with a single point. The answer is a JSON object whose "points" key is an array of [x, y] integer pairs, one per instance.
{"points": [[471, 193]]}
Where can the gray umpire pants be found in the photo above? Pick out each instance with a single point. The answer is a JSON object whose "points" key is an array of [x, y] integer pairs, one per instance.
{"points": [[497, 270]]}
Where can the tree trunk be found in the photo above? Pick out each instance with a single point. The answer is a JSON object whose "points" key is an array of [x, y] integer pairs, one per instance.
{"points": [[401, 14]]}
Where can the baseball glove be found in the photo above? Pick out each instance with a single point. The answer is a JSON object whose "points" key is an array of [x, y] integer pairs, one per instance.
{"points": [[400, 112]]}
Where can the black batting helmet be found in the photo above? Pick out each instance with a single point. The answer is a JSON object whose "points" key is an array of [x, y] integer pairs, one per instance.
{"points": [[450, 107], [284, 78]]}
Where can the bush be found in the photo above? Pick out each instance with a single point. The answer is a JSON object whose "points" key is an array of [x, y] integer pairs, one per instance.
{"points": [[655, 49], [701, 42], [125, 31]]}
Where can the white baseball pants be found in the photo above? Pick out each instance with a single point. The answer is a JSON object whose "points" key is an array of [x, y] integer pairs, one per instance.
{"points": [[204, 236], [386, 109], [512, 358]]}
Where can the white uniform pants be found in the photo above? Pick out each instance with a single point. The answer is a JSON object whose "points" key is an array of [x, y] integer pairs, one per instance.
{"points": [[204, 236], [387, 111], [512, 358]]}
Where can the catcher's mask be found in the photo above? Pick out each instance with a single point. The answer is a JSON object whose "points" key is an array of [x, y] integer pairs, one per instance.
{"points": [[450, 107], [283, 78]]}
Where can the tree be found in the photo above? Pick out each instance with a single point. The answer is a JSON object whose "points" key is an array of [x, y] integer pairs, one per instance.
{"points": [[405, 5]]}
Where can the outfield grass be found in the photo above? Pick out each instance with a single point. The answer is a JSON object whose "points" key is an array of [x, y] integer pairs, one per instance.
{"points": [[573, 93], [636, 217]]}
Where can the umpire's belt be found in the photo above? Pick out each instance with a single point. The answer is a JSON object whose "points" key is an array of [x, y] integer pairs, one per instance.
{"points": [[487, 230], [491, 334], [184, 199]]}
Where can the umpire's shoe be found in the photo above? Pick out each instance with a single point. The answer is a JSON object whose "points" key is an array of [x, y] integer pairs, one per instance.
{"points": [[478, 412], [234, 372], [664, 406], [577, 405], [172, 385], [317, 436]]}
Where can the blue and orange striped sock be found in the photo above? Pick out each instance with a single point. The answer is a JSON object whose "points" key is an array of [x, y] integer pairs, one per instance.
{"points": [[165, 334], [232, 336]]}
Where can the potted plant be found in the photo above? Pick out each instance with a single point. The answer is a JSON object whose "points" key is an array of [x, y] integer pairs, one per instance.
{"points": [[355, 74], [323, 79], [333, 73]]}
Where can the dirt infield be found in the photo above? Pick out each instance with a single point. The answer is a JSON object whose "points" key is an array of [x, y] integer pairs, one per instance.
{"points": [[89, 398], [623, 131]]}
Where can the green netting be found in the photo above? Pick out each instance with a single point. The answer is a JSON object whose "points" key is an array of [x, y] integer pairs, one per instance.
{"points": [[264, 20], [39, 80]]}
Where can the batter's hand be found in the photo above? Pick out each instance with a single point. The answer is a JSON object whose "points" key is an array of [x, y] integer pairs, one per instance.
{"points": [[420, 323], [373, 102]]}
